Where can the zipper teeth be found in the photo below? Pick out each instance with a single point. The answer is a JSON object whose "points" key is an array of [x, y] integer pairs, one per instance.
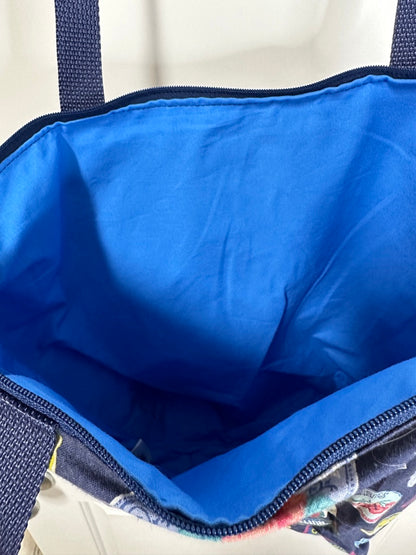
{"points": [[194, 527], [184, 91]]}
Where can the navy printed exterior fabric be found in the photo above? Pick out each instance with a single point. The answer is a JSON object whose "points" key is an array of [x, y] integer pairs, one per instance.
{"points": [[387, 485], [384, 478]]}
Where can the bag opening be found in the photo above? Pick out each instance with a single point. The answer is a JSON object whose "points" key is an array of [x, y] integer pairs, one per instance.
{"points": [[190, 273]]}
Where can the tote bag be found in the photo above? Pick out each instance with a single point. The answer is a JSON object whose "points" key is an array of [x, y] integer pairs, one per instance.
{"points": [[207, 299]]}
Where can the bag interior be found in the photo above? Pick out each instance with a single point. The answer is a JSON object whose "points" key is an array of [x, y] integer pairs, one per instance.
{"points": [[195, 273]]}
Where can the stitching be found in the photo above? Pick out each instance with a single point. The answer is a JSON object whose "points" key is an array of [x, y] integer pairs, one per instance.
{"points": [[237, 102]]}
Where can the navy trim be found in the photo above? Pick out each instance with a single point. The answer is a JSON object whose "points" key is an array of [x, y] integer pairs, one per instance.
{"points": [[79, 54], [147, 95], [403, 50], [27, 442]]}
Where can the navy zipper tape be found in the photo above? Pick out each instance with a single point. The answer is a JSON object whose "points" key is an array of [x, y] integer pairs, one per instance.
{"points": [[359, 438], [177, 92]]}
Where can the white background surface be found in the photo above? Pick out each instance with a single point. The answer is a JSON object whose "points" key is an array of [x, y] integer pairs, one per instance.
{"points": [[238, 43], [145, 43]]}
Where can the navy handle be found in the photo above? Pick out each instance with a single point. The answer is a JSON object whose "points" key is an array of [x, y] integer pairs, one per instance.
{"points": [[79, 54], [403, 51], [26, 444]]}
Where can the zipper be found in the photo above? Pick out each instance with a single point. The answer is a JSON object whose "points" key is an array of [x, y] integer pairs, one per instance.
{"points": [[176, 92], [359, 438]]}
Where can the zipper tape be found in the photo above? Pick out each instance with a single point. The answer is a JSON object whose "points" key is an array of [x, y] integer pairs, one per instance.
{"points": [[358, 439], [176, 92]]}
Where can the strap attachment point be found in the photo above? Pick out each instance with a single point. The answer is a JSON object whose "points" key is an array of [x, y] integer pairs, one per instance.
{"points": [[79, 54]]}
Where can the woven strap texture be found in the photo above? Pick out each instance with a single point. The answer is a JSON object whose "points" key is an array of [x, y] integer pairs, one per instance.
{"points": [[26, 445], [79, 54], [403, 51]]}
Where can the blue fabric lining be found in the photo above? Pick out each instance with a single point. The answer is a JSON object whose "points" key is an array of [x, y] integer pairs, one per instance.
{"points": [[195, 272]]}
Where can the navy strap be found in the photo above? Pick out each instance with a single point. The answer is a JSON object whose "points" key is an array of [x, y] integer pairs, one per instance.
{"points": [[26, 445], [403, 51], [79, 54]]}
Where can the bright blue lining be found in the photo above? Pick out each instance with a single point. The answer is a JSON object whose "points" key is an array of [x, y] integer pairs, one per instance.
{"points": [[192, 272]]}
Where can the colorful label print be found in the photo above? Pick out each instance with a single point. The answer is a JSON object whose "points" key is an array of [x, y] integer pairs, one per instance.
{"points": [[380, 525], [340, 485], [372, 505]]}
